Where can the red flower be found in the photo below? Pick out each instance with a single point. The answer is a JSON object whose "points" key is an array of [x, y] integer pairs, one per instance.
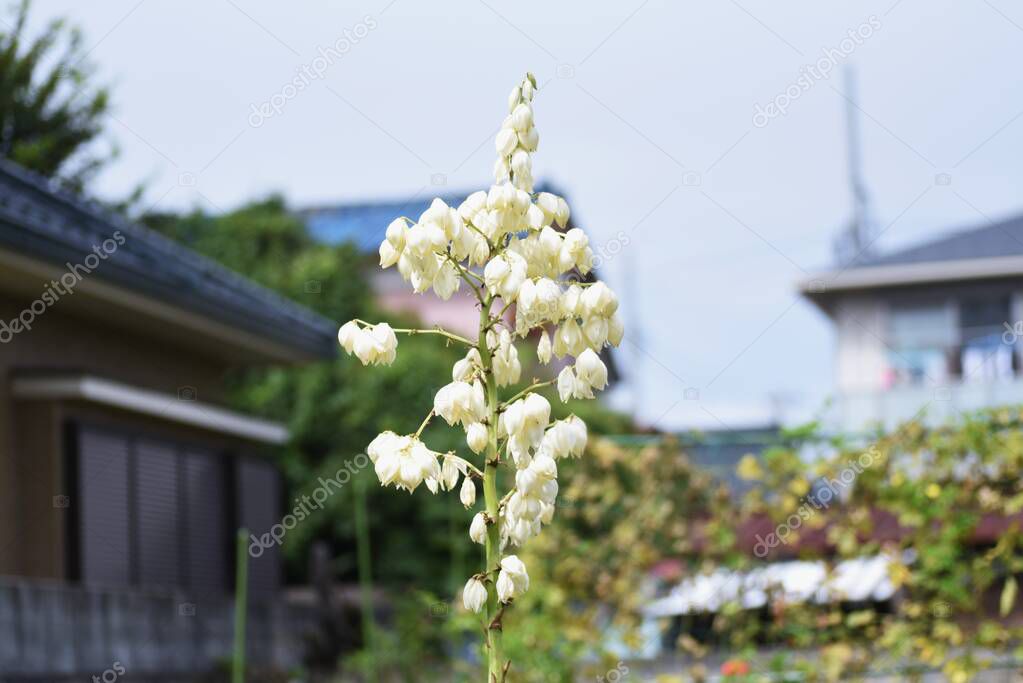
{"points": [[735, 667]]}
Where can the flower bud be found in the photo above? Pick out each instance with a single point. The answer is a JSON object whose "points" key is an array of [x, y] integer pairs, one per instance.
{"points": [[561, 213], [548, 203], [478, 529], [543, 348], [505, 587], [476, 437], [513, 98], [522, 117], [396, 233], [529, 140], [521, 163], [566, 383], [474, 595], [388, 254], [468, 493], [449, 474], [615, 330], [527, 90], [506, 142]]}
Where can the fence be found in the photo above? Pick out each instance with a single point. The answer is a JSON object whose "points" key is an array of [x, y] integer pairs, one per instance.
{"points": [[51, 630]]}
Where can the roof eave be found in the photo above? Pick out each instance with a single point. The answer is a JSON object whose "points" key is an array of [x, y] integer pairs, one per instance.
{"points": [[46, 229], [821, 287]]}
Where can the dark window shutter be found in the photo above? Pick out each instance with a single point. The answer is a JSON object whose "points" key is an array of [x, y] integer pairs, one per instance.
{"points": [[103, 507], [157, 514], [258, 496], [206, 536]]}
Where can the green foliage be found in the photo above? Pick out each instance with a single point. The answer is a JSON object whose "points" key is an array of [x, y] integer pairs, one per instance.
{"points": [[50, 113], [955, 490], [942, 504]]}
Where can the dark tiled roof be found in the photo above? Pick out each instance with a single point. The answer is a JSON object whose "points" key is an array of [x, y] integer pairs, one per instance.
{"points": [[1001, 238], [365, 223], [40, 220]]}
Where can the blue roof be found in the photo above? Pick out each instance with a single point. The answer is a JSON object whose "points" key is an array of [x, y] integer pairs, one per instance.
{"points": [[364, 223]]}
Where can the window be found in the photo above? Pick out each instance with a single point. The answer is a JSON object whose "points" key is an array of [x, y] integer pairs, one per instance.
{"points": [[984, 356], [154, 513], [920, 340], [103, 500], [956, 339]]}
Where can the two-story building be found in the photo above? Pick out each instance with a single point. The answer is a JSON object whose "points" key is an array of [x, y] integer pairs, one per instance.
{"points": [[927, 330]]}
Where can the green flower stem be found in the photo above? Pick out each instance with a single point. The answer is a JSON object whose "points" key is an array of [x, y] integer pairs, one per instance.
{"points": [[531, 387], [441, 332], [495, 657]]}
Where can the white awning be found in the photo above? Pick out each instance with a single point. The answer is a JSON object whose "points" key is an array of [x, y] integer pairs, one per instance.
{"points": [[182, 409], [863, 579]]}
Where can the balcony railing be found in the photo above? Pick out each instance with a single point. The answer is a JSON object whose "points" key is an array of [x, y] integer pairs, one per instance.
{"points": [[932, 402]]}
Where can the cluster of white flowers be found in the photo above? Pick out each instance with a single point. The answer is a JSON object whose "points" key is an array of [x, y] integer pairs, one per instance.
{"points": [[510, 244], [374, 344]]}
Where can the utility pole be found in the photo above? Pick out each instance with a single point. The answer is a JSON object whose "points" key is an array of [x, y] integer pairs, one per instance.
{"points": [[856, 240]]}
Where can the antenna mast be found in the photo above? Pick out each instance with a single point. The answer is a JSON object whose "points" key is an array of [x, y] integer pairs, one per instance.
{"points": [[855, 241]]}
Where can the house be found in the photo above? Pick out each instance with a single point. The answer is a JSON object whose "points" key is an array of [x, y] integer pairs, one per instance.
{"points": [[123, 476], [930, 329]]}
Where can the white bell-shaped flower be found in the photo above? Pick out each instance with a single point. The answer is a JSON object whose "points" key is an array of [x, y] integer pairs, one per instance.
{"points": [[476, 437], [474, 595], [598, 300], [516, 570], [506, 142], [376, 345], [507, 367], [615, 330], [467, 494], [591, 370], [543, 348], [402, 460], [505, 274], [478, 528], [524, 421], [460, 402], [465, 369]]}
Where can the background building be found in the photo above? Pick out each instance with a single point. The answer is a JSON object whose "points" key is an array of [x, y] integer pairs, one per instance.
{"points": [[932, 329]]}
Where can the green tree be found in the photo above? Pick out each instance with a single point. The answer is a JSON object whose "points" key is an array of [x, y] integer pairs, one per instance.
{"points": [[51, 113], [334, 408]]}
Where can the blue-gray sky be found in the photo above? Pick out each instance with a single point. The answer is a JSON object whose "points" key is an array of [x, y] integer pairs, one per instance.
{"points": [[645, 119]]}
